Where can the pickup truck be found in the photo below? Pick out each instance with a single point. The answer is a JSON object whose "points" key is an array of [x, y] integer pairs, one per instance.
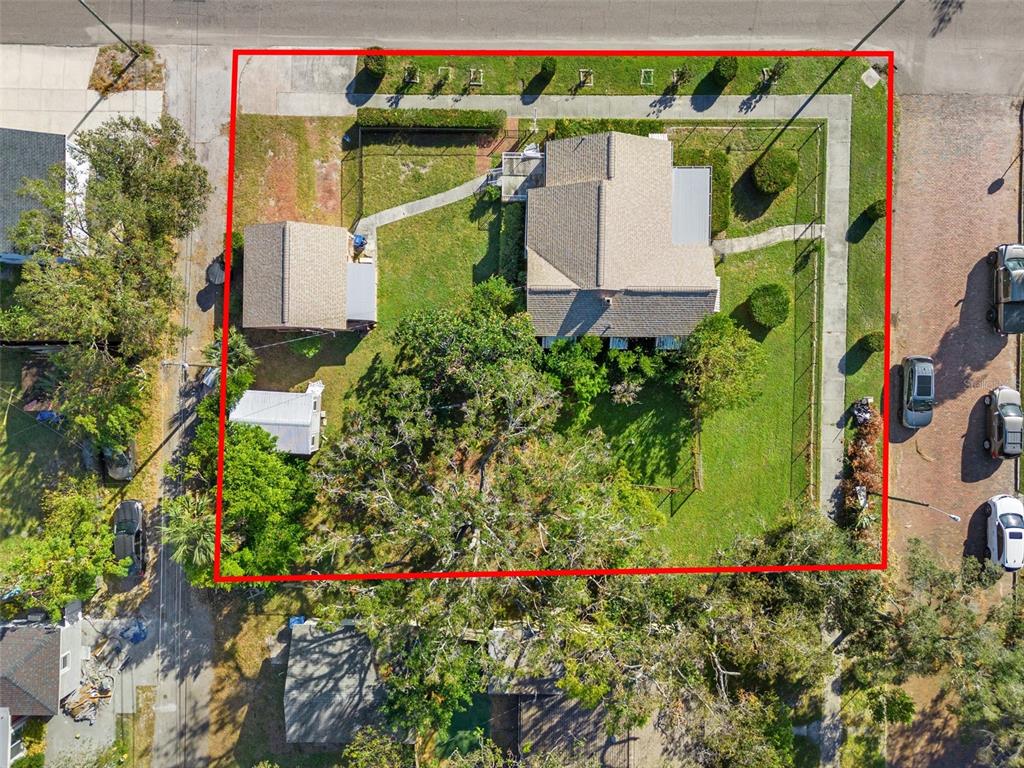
{"points": [[1007, 311]]}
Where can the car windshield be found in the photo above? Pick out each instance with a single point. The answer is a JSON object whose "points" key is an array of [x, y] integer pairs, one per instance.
{"points": [[1015, 263], [124, 526], [1010, 410], [1012, 520]]}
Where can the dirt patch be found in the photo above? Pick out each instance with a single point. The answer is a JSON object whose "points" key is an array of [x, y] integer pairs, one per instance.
{"points": [[931, 740], [490, 147], [109, 74], [328, 190], [280, 200]]}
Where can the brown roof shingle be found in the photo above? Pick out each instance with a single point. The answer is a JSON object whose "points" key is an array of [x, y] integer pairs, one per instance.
{"points": [[30, 669]]}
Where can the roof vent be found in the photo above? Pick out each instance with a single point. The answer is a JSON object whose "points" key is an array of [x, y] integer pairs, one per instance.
{"points": [[608, 301]]}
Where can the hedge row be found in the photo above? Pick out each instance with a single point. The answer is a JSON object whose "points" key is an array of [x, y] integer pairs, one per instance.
{"points": [[566, 128], [512, 242], [491, 121], [721, 181]]}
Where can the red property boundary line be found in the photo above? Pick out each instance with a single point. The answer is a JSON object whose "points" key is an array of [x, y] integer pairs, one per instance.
{"points": [[882, 565]]}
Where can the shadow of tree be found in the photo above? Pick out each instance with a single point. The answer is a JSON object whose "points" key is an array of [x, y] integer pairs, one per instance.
{"points": [[859, 228], [748, 203], [750, 102], [538, 83], [741, 314], [943, 13]]}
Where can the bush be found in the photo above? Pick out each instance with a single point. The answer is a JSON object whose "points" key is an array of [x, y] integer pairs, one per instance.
{"points": [[308, 347], [375, 64], [491, 121], [511, 253], [876, 210], [778, 70], [681, 76], [548, 67], [873, 342], [566, 127], [769, 304], [725, 70], [721, 181], [775, 171]]}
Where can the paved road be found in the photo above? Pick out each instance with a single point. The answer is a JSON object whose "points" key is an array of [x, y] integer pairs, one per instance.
{"points": [[956, 197], [942, 46]]}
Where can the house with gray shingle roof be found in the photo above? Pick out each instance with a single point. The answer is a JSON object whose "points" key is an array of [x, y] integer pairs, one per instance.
{"points": [[26, 155], [618, 241], [40, 666], [299, 276]]}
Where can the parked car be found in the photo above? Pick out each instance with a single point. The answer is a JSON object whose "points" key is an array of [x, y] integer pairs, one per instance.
{"points": [[1004, 424], [917, 391], [129, 536], [119, 466], [1005, 546], [1007, 312]]}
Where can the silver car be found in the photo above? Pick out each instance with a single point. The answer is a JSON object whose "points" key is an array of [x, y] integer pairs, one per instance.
{"points": [[1004, 423], [917, 391], [1005, 541]]}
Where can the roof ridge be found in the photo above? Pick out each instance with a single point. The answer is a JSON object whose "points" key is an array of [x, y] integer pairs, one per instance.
{"points": [[285, 270]]}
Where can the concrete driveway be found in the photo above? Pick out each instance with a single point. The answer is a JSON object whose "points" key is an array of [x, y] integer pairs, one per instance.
{"points": [[957, 197]]}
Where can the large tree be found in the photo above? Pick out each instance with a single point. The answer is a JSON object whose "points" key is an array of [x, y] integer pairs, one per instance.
{"points": [[190, 531], [72, 549]]}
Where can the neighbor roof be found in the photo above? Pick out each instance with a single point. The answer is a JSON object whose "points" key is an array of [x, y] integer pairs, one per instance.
{"points": [[30, 669], [332, 688], [26, 155], [292, 417], [295, 275], [603, 224]]}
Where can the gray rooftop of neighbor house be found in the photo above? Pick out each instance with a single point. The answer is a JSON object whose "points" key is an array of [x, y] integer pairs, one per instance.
{"points": [[40, 662], [300, 276], [615, 245], [332, 689], [23, 155], [294, 418]]}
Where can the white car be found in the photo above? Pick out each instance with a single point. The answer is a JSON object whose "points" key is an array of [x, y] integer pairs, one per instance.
{"points": [[1005, 544]]}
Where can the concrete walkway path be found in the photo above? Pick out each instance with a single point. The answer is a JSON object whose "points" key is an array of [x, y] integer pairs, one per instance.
{"points": [[836, 109], [769, 237]]}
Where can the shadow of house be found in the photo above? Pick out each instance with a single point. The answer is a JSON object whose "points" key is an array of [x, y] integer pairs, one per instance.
{"points": [[332, 688]]}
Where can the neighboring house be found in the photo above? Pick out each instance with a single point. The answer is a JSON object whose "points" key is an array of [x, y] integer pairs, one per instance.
{"points": [[298, 276], [294, 418], [531, 715], [40, 666], [25, 155], [618, 242], [332, 688]]}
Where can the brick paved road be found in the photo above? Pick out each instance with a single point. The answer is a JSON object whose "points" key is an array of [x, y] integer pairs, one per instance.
{"points": [[949, 214]]}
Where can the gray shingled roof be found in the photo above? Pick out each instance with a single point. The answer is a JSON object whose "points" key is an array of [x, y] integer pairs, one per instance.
{"points": [[23, 155], [295, 276], [332, 689], [602, 226], [30, 669]]}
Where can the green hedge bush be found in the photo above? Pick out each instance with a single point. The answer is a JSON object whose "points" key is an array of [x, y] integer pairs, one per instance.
{"points": [[566, 127], [376, 65], [725, 70], [775, 171], [876, 210], [511, 244], [721, 181], [548, 67], [491, 121], [873, 342], [769, 304]]}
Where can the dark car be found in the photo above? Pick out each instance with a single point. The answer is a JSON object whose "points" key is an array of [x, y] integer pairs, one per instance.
{"points": [[1004, 423], [1007, 311], [129, 536], [917, 391], [119, 466]]}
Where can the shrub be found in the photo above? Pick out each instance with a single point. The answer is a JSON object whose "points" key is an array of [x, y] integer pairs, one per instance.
{"points": [[491, 121], [548, 67], [769, 304], [681, 76], [876, 210], [775, 171], [376, 64], [511, 253], [566, 127], [873, 342], [725, 70], [778, 70], [721, 181], [308, 347]]}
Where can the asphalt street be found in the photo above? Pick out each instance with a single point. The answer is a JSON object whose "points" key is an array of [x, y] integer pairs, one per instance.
{"points": [[942, 46]]}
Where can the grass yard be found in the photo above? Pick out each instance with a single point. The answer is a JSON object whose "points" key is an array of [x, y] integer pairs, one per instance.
{"points": [[424, 261], [32, 456], [135, 731], [755, 457], [611, 75]]}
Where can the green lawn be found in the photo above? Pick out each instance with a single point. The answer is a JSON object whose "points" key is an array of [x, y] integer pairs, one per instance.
{"points": [[612, 75], [423, 261], [31, 457], [755, 458]]}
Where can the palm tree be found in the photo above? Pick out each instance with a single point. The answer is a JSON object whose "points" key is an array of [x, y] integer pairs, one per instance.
{"points": [[190, 531]]}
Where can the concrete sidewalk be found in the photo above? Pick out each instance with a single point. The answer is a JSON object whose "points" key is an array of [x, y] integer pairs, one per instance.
{"points": [[769, 237], [835, 109]]}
